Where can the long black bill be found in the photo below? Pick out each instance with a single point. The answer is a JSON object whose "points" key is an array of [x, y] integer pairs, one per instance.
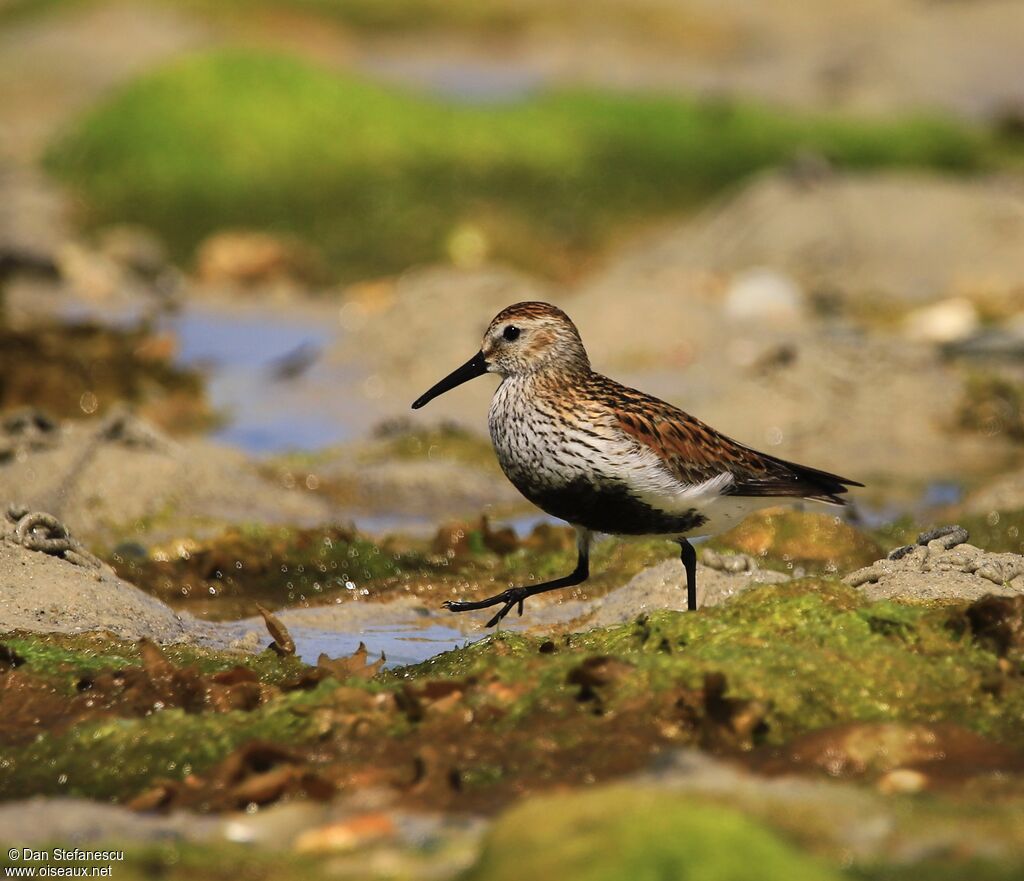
{"points": [[474, 367]]}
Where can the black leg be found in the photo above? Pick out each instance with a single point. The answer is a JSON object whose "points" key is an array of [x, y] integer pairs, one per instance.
{"points": [[515, 596], [689, 557]]}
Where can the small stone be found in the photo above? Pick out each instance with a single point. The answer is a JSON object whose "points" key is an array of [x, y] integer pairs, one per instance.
{"points": [[347, 835], [245, 258], [902, 781], [763, 294], [948, 321], [133, 246]]}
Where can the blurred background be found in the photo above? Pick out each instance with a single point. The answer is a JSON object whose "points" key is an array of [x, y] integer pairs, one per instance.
{"points": [[237, 239], [278, 221]]}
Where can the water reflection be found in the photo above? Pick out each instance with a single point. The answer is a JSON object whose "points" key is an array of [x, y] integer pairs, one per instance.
{"points": [[267, 373], [402, 644]]}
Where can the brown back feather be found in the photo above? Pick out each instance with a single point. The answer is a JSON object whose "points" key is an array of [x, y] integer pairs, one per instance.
{"points": [[695, 452]]}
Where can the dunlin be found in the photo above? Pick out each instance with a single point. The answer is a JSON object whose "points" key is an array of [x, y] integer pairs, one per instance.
{"points": [[608, 458]]}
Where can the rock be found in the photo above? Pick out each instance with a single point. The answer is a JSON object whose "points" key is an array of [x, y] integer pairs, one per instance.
{"points": [[46, 594], [106, 476], [89, 273], [850, 821], [821, 542], [134, 247], [934, 571], [79, 822], [1006, 341], [347, 835], [902, 781], [765, 295], [948, 321], [244, 259]]}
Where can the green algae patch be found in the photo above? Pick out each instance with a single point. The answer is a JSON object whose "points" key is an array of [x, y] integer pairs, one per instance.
{"points": [[514, 713], [93, 716], [66, 657], [115, 758], [281, 566], [785, 539], [243, 138], [812, 652], [275, 566], [617, 832]]}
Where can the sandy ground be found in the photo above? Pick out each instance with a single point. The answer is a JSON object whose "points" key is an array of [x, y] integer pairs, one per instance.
{"points": [[46, 594], [53, 66], [107, 489], [892, 239]]}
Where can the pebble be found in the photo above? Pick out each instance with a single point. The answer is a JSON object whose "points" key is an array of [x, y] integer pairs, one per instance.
{"points": [[902, 781], [728, 562], [763, 294], [947, 321], [347, 835]]}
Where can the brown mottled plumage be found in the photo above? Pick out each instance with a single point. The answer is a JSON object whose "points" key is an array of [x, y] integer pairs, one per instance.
{"points": [[608, 458]]}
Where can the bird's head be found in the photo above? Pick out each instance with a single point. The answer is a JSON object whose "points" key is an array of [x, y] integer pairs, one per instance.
{"points": [[521, 339]]}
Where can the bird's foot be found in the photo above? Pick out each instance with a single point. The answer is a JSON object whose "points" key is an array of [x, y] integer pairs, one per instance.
{"points": [[514, 596]]}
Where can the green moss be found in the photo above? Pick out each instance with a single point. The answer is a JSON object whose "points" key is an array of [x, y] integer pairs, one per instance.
{"points": [[277, 566], [116, 758], [809, 654], [813, 651], [69, 656], [283, 566], [616, 832], [379, 179]]}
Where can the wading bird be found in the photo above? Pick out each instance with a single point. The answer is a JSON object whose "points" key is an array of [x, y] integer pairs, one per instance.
{"points": [[608, 458]]}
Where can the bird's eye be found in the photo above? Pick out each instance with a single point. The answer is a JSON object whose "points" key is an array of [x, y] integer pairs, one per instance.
{"points": [[511, 333]]}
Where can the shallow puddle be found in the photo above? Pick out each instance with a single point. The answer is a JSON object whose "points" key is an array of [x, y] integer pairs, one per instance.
{"points": [[267, 375], [402, 645]]}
